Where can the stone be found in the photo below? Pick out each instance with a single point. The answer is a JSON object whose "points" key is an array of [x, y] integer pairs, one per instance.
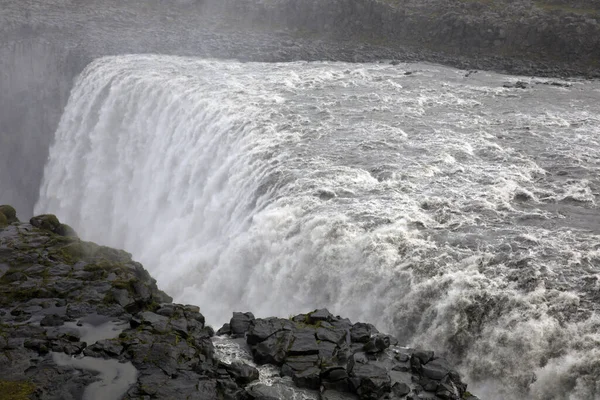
{"points": [[371, 381], [361, 332], [377, 343], [47, 222], [333, 335], [424, 356], [299, 363], [400, 389], [274, 349], [304, 342], [52, 320], [242, 373], [240, 323], [262, 329], [224, 330], [436, 369], [319, 315], [309, 378]]}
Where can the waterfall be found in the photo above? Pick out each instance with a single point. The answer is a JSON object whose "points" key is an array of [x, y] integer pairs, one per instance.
{"points": [[384, 196]]}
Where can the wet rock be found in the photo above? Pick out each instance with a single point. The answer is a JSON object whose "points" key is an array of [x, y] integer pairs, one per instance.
{"points": [[262, 329], [239, 323], [370, 381], [436, 369], [319, 315], [52, 320], [400, 389], [273, 350], [309, 378], [224, 330], [361, 332], [304, 343], [242, 373], [377, 344], [424, 356]]}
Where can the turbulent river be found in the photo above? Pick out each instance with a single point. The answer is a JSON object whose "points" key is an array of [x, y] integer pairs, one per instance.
{"points": [[442, 207]]}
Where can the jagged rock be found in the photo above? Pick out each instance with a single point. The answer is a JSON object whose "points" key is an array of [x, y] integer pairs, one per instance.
{"points": [[261, 329], [361, 332], [424, 356], [224, 330], [377, 344], [242, 373], [309, 378], [319, 315], [304, 343], [239, 323], [436, 369], [68, 286], [370, 381], [333, 335], [274, 349]]}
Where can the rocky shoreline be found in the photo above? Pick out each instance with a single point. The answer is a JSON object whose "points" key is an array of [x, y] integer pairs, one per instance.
{"points": [[83, 321]]}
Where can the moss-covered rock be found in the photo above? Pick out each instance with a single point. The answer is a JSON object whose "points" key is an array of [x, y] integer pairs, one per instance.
{"points": [[65, 230], [10, 213], [3, 221], [47, 222], [16, 390]]}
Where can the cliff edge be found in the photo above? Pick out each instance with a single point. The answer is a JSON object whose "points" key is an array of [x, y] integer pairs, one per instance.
{"points": [[79, 320]]}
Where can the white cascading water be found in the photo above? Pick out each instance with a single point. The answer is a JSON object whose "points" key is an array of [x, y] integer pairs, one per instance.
{"points": [[445, 209]]}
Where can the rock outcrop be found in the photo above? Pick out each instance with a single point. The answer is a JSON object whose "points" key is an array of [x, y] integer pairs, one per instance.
{"points": [[81, 319], [332, 355]]}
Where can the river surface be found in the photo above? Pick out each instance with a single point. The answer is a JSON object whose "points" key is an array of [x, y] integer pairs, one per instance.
{"points": [[439, 205]]}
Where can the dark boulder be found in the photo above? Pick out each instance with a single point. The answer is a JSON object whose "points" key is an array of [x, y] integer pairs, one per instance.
{"points": [[436, 369], [224, 330], [239, 323], [241, 373], [262, 329], [361, 332], [274, 349], [377, 343], [319, 315], [309, 378]]}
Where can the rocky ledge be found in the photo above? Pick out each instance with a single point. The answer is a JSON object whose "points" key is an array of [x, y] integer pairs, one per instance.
{"points": [[83, 321]]}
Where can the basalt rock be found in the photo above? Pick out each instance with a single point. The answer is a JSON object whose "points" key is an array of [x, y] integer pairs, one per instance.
{"points": [[70, 309], [320, 351]]}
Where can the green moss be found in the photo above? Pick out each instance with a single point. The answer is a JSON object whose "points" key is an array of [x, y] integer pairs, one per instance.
{"points": [[3, 221], [16, 390], [9, 212]]}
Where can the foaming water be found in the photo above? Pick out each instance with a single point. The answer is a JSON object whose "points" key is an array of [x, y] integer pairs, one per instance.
{"points": [[456, 213]]}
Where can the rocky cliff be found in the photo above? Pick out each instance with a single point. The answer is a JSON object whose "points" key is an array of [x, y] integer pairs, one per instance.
{"points": [[78, 320]]}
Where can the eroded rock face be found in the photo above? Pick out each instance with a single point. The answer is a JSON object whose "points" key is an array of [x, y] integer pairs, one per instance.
{"points": [[69, 305]]}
